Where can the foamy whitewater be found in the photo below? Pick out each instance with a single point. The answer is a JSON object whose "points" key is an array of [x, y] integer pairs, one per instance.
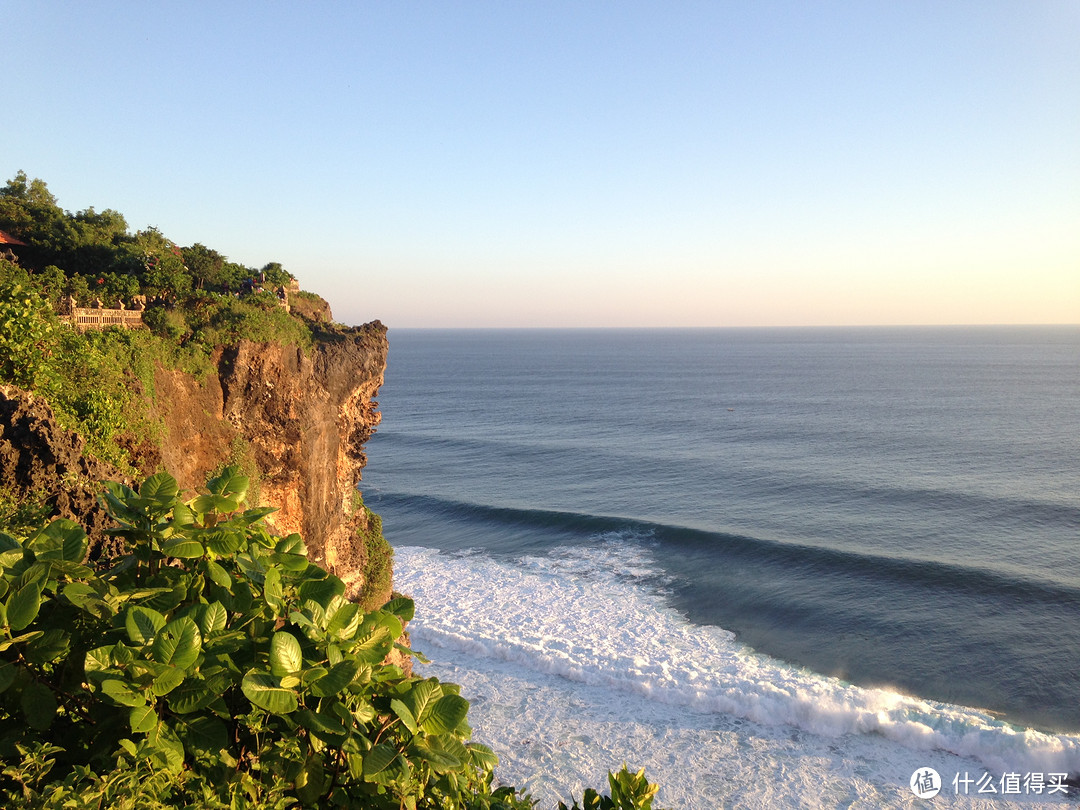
{"points": [[573, 667]]}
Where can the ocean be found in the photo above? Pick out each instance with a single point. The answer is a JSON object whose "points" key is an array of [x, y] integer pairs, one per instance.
{"points": [[774, 567]]}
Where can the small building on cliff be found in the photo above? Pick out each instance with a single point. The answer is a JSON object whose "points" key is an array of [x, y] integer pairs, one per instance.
{"points": [[7, 239]]}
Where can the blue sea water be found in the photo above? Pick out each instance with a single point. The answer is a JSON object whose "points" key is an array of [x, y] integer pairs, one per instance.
{"points": [[836, 552]]}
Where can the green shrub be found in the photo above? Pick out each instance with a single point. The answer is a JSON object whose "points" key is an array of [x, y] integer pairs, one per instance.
{"points": [[28, 330], [217, 653], [378, 571], [629, 791]]}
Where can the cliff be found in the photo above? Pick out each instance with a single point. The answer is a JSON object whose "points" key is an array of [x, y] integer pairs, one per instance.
{"points": [[40, 461], [295, 421]]}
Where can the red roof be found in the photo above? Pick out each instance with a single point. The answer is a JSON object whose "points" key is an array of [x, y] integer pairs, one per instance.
{"points": [[8, 239]]}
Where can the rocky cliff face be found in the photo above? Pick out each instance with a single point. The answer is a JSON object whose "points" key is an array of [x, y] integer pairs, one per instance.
{"points": [[301, 421], [297, 422], [42, 461]]}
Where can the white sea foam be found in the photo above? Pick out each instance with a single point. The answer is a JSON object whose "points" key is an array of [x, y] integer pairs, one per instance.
{"points": [[574, 666]]}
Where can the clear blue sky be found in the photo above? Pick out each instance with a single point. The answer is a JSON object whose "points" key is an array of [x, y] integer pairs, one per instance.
{"points": [[579, 163]]}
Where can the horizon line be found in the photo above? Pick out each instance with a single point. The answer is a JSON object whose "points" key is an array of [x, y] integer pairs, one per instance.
{"points": [[744, 326]]}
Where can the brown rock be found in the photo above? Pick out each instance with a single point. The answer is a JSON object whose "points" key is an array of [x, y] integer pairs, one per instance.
{"points": [[301, 419], [39, 458]]}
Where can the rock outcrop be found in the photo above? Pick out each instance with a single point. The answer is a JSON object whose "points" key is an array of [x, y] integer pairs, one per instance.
{"points": [[42, 461], [296, 420]]}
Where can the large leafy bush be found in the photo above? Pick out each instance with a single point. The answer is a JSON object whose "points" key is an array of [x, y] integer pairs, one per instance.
{"points": [[214, 666]]}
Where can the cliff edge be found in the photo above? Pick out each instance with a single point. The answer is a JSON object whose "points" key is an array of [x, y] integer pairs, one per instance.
{"points": [[294, 420]]}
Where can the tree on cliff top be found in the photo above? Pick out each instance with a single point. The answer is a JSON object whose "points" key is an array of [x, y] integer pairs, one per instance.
{"points": [[98, 255]]}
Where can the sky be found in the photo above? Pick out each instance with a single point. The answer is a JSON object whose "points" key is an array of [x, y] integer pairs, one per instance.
{"points": [[585, 163]]}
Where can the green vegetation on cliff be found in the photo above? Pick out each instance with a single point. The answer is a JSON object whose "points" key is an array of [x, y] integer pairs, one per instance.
{"points": [[101, 383], [213, 665], [94, 381]]}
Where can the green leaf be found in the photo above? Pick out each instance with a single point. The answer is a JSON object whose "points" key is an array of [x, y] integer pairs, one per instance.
{"points": [[401, 606], [224, 643], [218, 575], [205, 504], [192, 695], [321, 590], [338, 677], [72, 570], [38, 705], [121, 655], [213, 619], [25, 637], [378, 759], [203, 735], [166, 679], [142, 719], [272, 590], [311, 782], [61, 540], [7, 674], [116, 496], [262, 689], [38, 574], [250, 516], [446, 714], [327, 727], [183, 547], [291, 562], [419, 656], [223, 542], [362, 711], [422, 697], [293, 544], [403, 713], [182, 515], [98, 660], [482, 757], [163, 741], [230, 483], [344, 621], [285, 654], [160, 488], [122, 692], [142, 624], [443, 752], [389, 621], [374, 647], [23, 606], [51, 646], [178, 643], [311, 617]]}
